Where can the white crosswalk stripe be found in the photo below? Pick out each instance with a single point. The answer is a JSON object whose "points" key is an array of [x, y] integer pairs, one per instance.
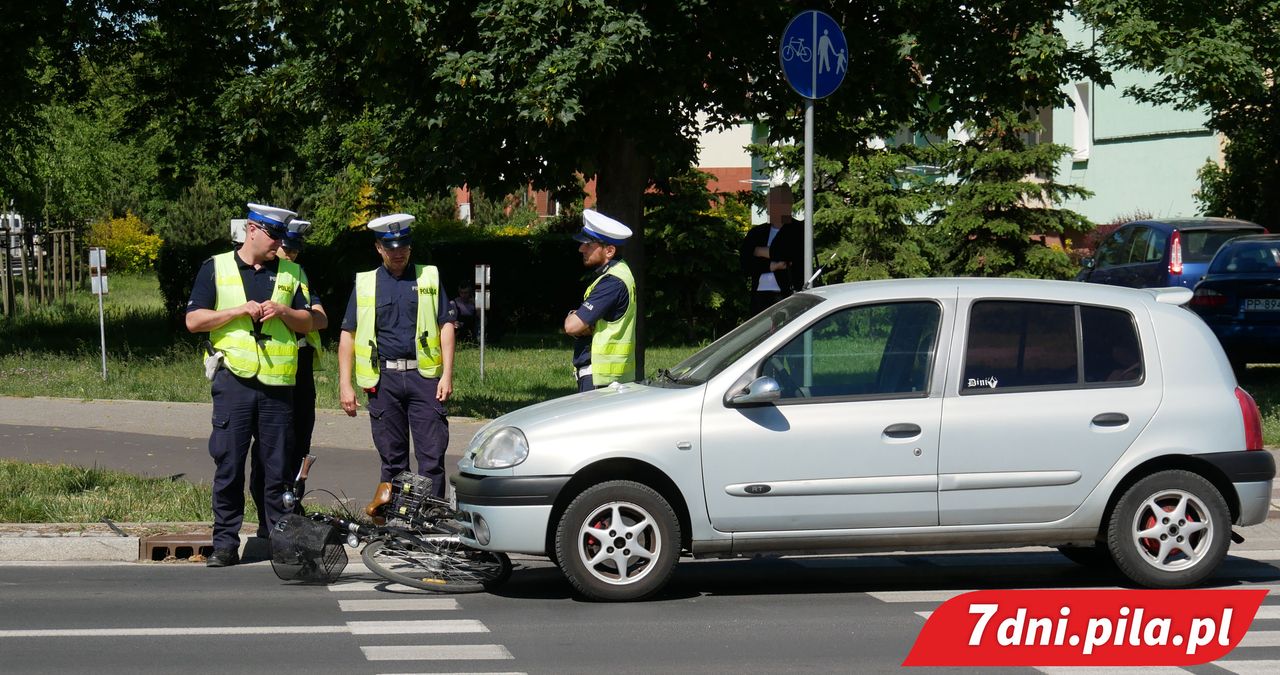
{"points": [[398, 605], [437, 653], [406, 599], [1249, 667]]}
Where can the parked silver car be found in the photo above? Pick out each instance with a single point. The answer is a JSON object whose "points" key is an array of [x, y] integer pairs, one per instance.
{"points": [[894, 415]]}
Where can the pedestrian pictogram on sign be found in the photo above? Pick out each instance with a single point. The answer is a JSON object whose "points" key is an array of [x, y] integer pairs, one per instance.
{"points": [[814, 54]]}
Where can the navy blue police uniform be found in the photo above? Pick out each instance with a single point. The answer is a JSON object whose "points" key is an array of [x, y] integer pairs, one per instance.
{"points": [[304, 422], [245, 412], [404, 401], [607, 301]]}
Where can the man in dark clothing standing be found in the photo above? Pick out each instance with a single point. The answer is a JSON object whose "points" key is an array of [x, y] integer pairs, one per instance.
{"points": [[772, 253]]}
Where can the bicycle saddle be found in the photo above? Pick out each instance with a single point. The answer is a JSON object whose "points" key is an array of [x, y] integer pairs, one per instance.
{"points": [[381, 497]]}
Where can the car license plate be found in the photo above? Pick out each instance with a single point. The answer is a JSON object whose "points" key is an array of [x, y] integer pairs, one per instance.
{"points": [[1262, 304]]}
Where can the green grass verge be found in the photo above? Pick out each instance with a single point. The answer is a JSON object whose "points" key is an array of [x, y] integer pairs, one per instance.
{"points": [[44, 493]]}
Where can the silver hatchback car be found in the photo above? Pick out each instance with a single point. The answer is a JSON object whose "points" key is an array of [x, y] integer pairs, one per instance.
{"points": [[893, 415]]}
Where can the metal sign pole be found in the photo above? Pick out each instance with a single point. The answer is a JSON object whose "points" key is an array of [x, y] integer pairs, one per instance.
{"points": [[102, 335], [808, 188], [482, 305], [97, 278]]}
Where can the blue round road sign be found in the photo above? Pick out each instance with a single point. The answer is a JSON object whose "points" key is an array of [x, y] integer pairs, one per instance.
{"points": [[813, 54]]}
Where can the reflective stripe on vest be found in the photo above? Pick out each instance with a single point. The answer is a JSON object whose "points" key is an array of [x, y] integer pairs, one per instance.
{"points": [[273, 359], [430, 362], [613, 345]]}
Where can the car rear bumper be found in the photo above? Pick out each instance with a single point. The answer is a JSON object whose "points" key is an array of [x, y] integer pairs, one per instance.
{"points": [[1255, 502], [1251, 473]]}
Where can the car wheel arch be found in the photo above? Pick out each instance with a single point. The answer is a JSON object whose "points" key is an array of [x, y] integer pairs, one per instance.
{"points": [[620, 468], [1189, 463]]}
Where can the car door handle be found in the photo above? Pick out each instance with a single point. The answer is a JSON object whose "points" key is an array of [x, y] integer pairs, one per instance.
{"points": [[1112, 419], [902, 430]]}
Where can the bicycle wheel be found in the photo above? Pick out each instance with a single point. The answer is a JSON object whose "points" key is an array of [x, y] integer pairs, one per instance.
{"points": [[440, 564]]}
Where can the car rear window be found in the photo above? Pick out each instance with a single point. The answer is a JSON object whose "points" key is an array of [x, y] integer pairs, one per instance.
{"points": [[1199, 245], [1040, 345], [1247, 256]]}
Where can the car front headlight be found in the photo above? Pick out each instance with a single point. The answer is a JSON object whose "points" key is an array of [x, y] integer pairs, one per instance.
{"points": [[502, 449]]}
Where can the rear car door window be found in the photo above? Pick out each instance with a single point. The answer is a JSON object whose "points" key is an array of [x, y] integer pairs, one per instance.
{"points": [[1039, 345], [868, 350], [1016, 344], [1138, 245]]}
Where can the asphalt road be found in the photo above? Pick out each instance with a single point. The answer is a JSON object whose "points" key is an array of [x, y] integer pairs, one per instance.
{"points": [[853, 615]]}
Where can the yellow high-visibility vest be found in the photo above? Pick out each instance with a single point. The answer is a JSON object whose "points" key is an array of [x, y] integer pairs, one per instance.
{"points": [[613, 344], [272, 357], [427, 343]]}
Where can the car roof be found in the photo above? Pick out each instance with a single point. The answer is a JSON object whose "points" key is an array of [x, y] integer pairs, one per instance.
{"points": [[1049, 290], [1252, 237], [1206, 223]]}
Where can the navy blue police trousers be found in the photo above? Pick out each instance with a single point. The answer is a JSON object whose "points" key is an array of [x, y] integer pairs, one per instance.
{"points": [[304, 422], [404, 401], [245, 411]]}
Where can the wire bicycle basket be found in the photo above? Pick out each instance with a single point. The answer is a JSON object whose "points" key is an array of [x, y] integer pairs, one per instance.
{"points": [[411, 500], [303, 549]]}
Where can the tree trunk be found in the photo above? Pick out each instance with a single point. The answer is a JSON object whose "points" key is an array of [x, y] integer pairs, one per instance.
{"points": [[621, 181]]}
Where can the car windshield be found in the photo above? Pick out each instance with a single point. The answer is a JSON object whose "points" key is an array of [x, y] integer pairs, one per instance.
{"points": [[715, 357], [1247, 256], [1199, 245]]}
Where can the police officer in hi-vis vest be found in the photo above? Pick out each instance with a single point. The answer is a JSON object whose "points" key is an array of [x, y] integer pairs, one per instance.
{"points": [[251, 305], [604, 325], [398, 338], [304, 390]]}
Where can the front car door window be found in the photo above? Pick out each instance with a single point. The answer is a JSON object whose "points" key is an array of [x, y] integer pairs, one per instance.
{"points": [[869, 350]]}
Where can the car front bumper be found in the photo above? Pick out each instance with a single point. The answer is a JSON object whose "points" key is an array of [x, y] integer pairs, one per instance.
{"points": [[514, 510]]}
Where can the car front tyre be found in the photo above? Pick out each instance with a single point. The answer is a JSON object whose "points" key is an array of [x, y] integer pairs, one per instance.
{"points": [[1169, 530], [618, 541]]}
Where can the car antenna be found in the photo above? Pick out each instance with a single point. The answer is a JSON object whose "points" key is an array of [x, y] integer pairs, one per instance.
{"points": [[809, 284]]}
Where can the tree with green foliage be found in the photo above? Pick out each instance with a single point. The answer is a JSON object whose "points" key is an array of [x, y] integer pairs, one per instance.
{"points": [[1001, 204], [1219, 57]]}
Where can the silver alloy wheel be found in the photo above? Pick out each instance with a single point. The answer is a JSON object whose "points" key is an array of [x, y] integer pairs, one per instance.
{"points": [[1172, 530], [619, 542]]}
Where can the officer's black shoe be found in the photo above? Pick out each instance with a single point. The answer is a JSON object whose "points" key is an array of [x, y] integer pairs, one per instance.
{"points": [[223, 557]]}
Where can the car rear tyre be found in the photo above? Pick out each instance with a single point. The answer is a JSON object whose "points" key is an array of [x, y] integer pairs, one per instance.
{"points": [[1171, 529], [618, 541]]}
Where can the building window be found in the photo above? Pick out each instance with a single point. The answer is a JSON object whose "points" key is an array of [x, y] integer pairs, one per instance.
{"points": [[1081, 125]]}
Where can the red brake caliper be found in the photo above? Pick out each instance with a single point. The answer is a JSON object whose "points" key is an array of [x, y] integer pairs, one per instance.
{"points": [[591, 541], [1152, 544]]}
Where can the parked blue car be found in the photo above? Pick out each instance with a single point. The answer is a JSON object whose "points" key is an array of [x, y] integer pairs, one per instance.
{"points": [[1239, 297], [1169, 252]]}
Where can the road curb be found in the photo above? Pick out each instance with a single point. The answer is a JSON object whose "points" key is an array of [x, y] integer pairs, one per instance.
{"points": [[43, 547]]}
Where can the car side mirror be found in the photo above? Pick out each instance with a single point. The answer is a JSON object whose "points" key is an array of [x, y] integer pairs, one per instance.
{"points": [[1087, 263], [761, 391]]}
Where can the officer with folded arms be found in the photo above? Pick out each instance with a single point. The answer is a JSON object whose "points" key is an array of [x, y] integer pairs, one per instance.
{"points": [[304, 391], [604, 325], [251, 305], [398, 339]]}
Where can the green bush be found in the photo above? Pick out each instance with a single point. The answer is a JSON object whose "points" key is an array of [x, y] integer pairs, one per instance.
{"points": [[129, 243]]}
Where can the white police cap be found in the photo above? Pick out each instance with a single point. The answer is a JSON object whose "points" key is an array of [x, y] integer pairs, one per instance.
{"points": [[393, 230], [297, 230], [598, 227], [273, 218]]}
